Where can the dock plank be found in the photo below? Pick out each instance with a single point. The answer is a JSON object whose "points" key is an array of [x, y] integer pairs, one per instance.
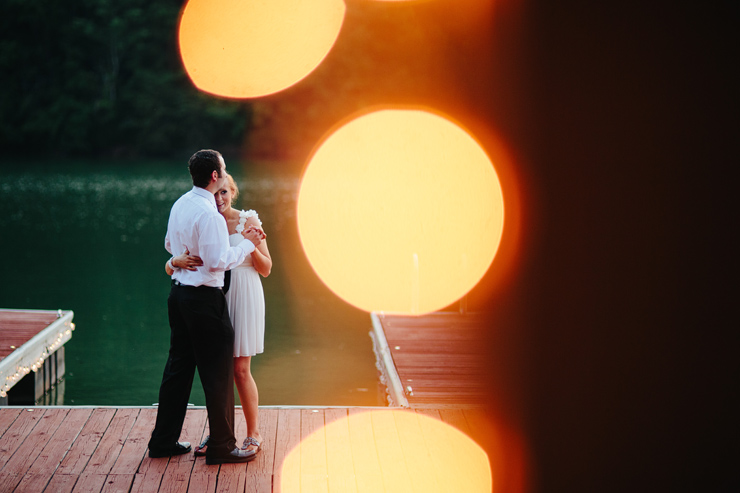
{"points": [[232, 477], [330, 449], [90, 483], [17, 433], [6, 419], [313, 440], [438, 357], [111, 443], [416, 453], [135, 447], [21, 461], [339, 463], [83, 448], [19, 326], [288, 438], [42, 469], [391, 457], [432, 440], [203, 477], [364, 452], [118, 483], [179, 468], [259, 480]]}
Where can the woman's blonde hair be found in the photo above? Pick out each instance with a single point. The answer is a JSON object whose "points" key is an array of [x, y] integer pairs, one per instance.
{"points": [[233, 187]]}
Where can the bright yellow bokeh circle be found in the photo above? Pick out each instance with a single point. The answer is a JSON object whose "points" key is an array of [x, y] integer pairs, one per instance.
{"points": [[251, 48], [400, 211], [387, 450]]}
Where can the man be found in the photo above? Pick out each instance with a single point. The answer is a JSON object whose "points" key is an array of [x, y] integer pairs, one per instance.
{"points": [[201, 332]]}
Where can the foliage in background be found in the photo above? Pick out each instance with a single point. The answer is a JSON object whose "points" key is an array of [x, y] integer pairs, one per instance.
{"points": [[88, 78]]}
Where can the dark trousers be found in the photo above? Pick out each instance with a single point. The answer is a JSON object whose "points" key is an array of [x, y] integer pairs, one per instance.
{"points": [[201, 336]]}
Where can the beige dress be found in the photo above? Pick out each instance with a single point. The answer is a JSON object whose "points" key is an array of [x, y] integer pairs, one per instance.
{"points": [[246, 300]]}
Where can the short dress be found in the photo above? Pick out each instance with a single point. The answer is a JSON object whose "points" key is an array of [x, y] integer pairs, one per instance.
{"points": [[246, 300]]}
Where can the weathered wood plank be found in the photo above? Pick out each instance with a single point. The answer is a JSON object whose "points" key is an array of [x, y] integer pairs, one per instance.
{"points": [[111, 443], [433, 438], [231, 478], [203, 477], [86, 443], [17, 433], [118, 483], [391, 457], [90, 483], [364, 452], [313, 451], [456, 418], [179, 468], [146, 482], [41, 471], [288, 437], [259, 471], [440, 356], [416, 453], [61, 483], [259, 482], [135, 447], [339, 463], [29, 450], [344, 450], [7, 416]]}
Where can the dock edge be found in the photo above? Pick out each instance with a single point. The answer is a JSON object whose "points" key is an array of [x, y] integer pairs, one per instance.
{"points": [[384, 363], [31, 355]]}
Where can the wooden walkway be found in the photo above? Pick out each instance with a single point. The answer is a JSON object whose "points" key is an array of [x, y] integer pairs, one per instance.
{"points": [[60, 449], [18, 327], [32, 341], [436, 359]]}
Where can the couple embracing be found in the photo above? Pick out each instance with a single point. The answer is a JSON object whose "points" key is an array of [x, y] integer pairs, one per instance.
{"points": [[202, 321]]}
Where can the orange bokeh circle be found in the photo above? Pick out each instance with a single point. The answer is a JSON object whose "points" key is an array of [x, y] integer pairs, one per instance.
{"points": [[387, 450], [246, 49], [400, 211]]}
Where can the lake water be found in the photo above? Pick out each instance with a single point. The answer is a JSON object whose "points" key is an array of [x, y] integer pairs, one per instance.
{"points": [[89, 237]]}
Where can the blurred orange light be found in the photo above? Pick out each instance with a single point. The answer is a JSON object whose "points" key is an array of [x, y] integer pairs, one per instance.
{"points": [[246, 49], [400, 211], [412, 452]]}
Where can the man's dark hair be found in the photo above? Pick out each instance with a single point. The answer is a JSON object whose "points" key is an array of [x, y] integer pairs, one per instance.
{"points": [[202, 164]]}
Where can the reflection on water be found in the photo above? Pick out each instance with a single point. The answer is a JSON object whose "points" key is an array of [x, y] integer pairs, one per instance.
{"points": [[91, 239]]}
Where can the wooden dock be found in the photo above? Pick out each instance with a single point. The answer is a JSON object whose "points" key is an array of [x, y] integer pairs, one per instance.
{"points": [[435, 360], [80, 449], [32, 355], [436, 436]]}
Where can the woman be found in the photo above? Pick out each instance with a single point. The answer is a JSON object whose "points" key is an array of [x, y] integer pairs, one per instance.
{"points": [[246, 302]]}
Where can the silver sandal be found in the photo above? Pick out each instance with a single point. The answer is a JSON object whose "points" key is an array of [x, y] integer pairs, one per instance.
{"points": [[249, 441]]}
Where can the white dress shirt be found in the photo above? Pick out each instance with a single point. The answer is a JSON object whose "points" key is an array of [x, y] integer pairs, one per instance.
{"points": [[196, 225]]}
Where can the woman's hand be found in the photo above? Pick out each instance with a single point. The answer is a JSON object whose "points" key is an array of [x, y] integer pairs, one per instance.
{"points": [[254, 234], [187, 261]]}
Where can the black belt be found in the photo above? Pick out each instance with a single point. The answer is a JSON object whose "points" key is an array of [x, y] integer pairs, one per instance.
{"points": [[178, 283]]}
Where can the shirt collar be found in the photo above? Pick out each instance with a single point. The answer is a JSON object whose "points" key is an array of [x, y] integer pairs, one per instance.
{"points": [[206, 195]]}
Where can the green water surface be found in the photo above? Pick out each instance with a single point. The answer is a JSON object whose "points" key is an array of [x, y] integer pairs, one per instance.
{"points": [[89, 237]]}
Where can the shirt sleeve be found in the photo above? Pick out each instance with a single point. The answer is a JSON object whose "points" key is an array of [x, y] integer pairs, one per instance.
{"points": [[167, 245], [214, 247]]}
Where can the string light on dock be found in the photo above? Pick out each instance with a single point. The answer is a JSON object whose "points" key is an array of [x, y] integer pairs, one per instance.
{"points": [[31, 355]]}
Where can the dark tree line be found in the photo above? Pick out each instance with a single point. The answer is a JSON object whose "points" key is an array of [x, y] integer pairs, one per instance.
{"points": [[88, 78]]}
